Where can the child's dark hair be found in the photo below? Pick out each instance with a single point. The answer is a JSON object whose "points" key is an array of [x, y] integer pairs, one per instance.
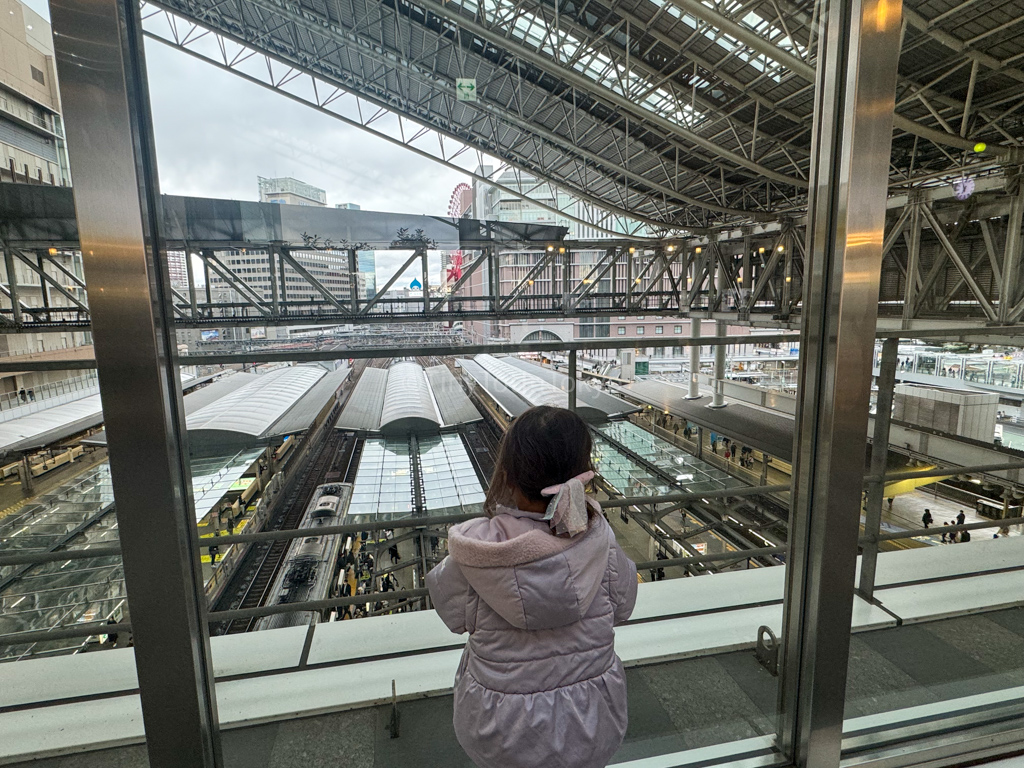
{"points": [[544, 446]]}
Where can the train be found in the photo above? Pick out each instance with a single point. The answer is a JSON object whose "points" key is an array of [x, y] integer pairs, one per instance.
{"points": [[307, 571]]}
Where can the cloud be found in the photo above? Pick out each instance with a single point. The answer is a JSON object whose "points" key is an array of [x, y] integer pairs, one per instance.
{"points": [[215, 133]]}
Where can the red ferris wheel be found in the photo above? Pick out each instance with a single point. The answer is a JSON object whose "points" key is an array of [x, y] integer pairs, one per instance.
{"points": [[459, 202]]}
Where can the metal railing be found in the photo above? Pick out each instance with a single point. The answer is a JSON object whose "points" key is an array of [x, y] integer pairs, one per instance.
{"points": [[86, 629], [37, 395]]}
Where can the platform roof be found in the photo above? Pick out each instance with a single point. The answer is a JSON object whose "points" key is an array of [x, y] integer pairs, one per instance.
{"points": [[194, 400], [363, 409], [585, 393], [508, 383], [758, 428], [50, 425], [511, 403], [41, 428], [248, 413], [452, 400], [304, 412], [406, 398], [530, 387], [408, 403]]}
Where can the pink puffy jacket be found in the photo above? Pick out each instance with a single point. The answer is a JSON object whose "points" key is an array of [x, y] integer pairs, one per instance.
{"points": [[539, 684]]}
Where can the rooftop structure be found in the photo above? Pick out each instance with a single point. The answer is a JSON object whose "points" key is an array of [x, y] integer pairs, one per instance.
{"points": [[290, 191], [405, 398]]}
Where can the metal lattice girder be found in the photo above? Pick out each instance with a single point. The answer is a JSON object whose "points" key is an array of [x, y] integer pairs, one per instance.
{"points": [[675, 113]]}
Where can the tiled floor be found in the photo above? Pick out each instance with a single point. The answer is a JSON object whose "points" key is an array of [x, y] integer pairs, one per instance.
{"points": [[673, 706]]}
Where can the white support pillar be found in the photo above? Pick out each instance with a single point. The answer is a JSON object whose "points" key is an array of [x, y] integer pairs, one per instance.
{"points": [[694, 392], [718, 400]]}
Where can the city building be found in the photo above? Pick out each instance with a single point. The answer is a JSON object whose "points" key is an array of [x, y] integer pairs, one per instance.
{"points": [[253, 268], [289, 191], [31, 129], [366, 261], [178, 269]]}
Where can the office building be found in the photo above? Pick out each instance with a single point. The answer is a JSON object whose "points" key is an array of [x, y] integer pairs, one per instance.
{"points": [[289, 191], [32, 145]]}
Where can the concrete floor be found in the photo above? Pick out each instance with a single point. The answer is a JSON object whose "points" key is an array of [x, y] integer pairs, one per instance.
{"points": [[673, 706]]}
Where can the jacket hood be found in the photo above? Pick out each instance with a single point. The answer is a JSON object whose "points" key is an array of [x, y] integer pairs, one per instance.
{"points": [[530, 577]]}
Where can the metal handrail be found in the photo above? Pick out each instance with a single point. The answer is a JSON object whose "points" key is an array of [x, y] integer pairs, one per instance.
{"points": [[310, 605]]}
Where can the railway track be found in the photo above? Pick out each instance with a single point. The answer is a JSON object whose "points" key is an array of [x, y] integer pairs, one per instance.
{"points": [[261, 563]]}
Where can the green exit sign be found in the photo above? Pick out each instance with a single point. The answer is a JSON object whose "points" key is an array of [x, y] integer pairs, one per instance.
{"points": [[465, 88]]}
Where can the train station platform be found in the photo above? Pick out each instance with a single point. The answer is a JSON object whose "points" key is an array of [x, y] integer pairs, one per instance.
{"points": [[962, 604], [769, 432]]}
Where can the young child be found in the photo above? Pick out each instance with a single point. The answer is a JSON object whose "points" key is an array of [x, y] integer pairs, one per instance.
{"points": [[538, 584]]}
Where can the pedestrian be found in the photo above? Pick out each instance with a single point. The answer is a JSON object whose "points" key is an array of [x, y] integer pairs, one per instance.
{"points": [[890, 503], [539, 683], [961, 517], [926, 518], [22, 395], [953, 535], [393, 552], [31, 396], [727, 454], [944, 533], [965, 536]]}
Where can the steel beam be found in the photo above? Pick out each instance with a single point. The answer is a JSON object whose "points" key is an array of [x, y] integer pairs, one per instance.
{"points": [[854, 101], [110, 137], [1013, 252], [879, 457]]}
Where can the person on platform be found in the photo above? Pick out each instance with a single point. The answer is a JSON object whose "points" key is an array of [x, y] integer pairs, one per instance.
{"points": [[539, 584], [961, 518], [927, 518]]}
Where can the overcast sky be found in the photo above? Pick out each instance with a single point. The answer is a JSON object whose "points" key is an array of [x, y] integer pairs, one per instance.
{"points": [[215, 133]]}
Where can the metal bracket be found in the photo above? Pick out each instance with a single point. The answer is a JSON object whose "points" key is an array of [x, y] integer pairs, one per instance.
{"points": [[767, 652]]}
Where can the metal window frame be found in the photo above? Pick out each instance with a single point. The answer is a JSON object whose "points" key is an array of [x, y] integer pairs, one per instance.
{"points": [[117, 198]]}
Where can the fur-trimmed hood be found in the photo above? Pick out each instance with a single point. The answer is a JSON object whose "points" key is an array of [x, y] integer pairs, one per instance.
{"points": [[532, 578]]}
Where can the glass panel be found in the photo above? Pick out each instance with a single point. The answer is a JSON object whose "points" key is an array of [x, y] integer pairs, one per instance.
{"points": [[65, 636], [945, 657]]}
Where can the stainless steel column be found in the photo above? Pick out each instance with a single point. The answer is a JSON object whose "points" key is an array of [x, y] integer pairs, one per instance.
{"points": [[694, 392], [99, 55], [718, 398], [572, 379], [852, 132], [879, 455]]}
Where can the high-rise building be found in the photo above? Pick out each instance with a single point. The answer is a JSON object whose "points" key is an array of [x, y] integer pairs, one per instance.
{"points": [[367, 263], [366, 260], [177, 269], [253, 268], [31, 131], [289, 191]]}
